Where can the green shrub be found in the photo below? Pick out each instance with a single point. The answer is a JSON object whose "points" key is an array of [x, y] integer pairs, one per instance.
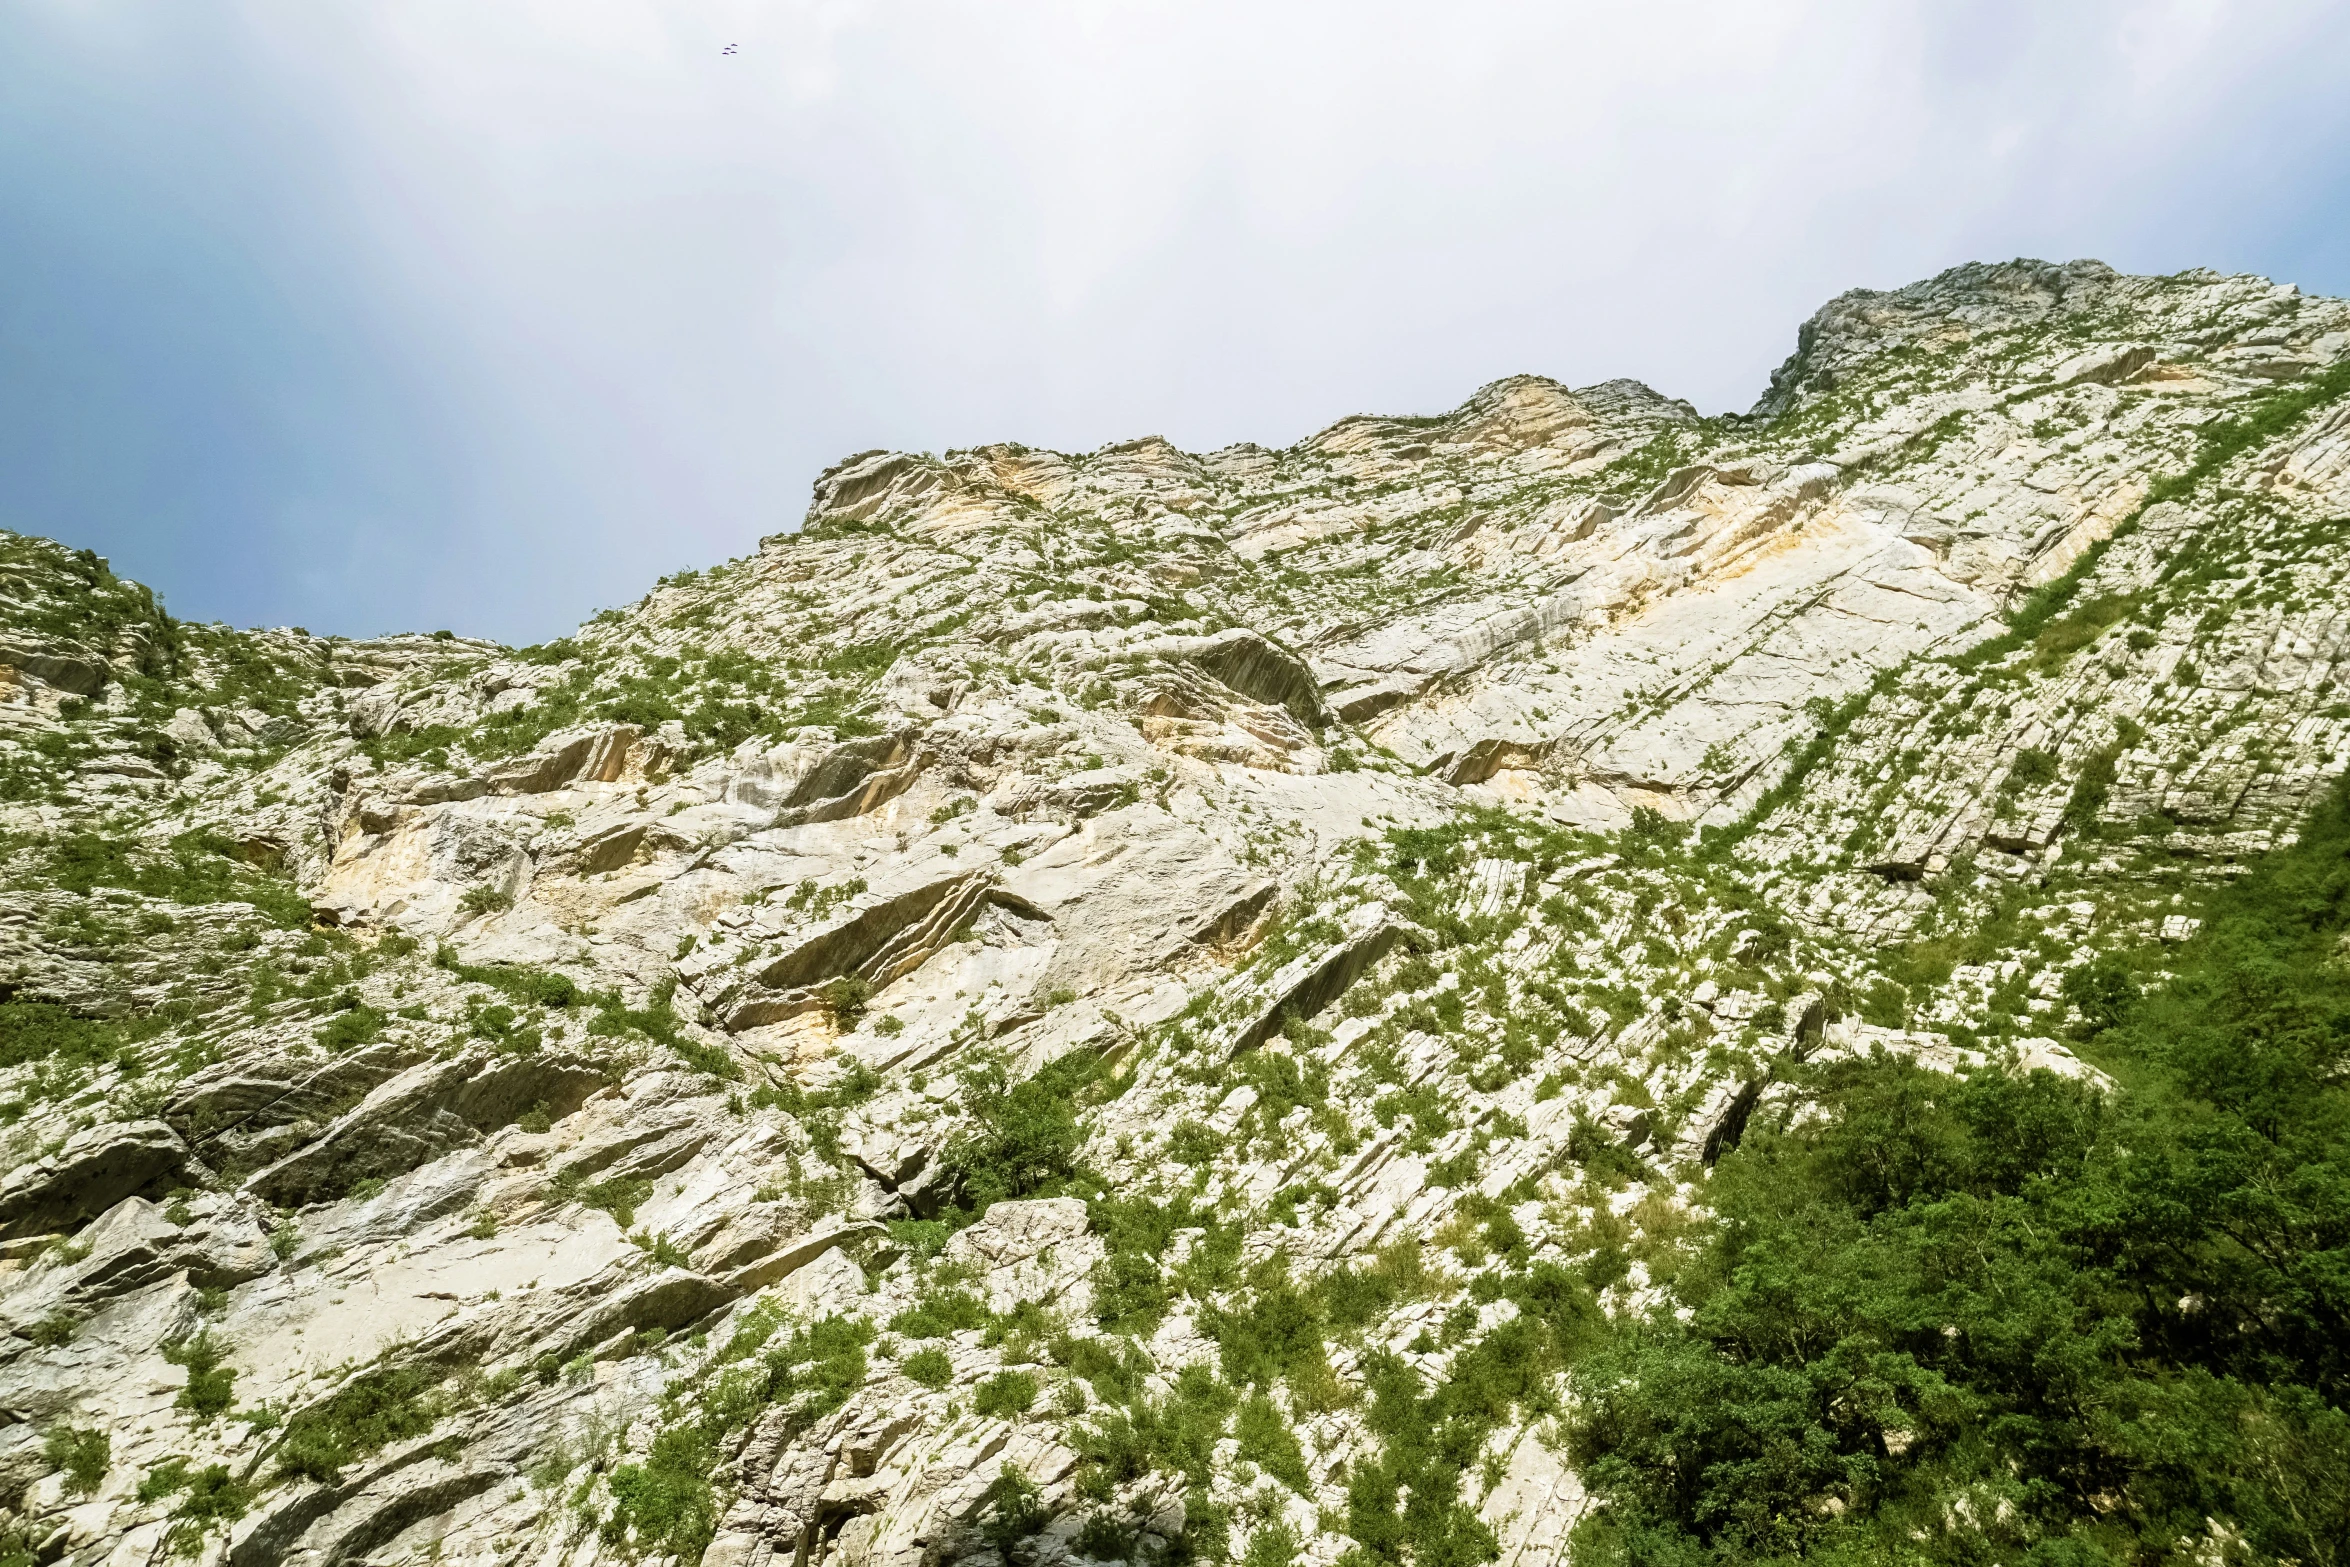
{"points": [[371, 1410], [201, 867], [2103, 991], [53, 1331], [619, 1196], [165, 1478], [1005, 1395], [666, 1503], [214, 1498], [845, 997], [2220, 441], [664, 1252], [817, 1369], [33, 1031], [1267, 1441], [531, 987], [1192, 1142], [2077, 1330], [485, 899], [2032, 769], [928, 1367], [1011, 1510], [2060, 639], [1021, 1139], [940, 1312], [360, 1025], [1103, 1538], [211, 1386], [82, 1456], [1652, 832]]}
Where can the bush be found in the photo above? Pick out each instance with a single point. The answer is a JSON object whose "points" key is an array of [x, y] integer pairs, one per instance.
{"points": [[213, 1497], [33, 1031], [1011, 1510], [2033, 769], [1267, 1441], [1022, 1138], [844, 998], [53, 1331], [666, 1502], [165, 1478], [2103, 991], [1006, 1395], [940, 1312], [211, 1387], [2060, 639], [201, 867], [82, 1456], [371, 1410], [359, 1026], [486, 899], [1192, 1142], [819, 1367], [619, 1196], [2068, 1330], [928, 1367], [1652, 832]]}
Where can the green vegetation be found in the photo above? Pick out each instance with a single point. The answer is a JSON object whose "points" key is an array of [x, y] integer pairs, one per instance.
{"points": [[2032, 769], [347, 1030], [619, 1196], [82, 1456], [2222, 440], [371, 1410], [939, 1312], [2001, 1318], [210, 1498], [198, 867], [486, 899], [929, 1368], [667, 1501], [844, 997], [1831, 722], [43, 1031], [54, 1330], [2057, 640], [1006, 1395], [1011, 1510], [211, 1386], [1022, 1138], [656, 1020]]}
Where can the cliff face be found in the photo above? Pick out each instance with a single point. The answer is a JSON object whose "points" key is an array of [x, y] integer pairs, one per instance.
{"points": [[859, 1056]]}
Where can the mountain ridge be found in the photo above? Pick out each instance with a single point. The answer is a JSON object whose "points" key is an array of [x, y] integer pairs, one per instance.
{"points": [[1071, 1006]]}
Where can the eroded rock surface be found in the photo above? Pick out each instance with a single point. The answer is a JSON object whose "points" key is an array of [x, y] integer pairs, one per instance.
{"points": [[872, 1053]]}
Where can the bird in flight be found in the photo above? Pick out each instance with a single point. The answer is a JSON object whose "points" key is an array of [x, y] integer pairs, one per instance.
{"points": [[729, 49]]}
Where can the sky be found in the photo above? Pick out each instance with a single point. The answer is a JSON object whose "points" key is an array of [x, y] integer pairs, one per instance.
{"points": [[370, 317]]}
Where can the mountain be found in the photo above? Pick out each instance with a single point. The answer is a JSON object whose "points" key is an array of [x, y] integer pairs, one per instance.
{"points": [[1724, 988]]}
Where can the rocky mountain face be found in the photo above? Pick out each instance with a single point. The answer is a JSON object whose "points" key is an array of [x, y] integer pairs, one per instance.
{"points": [[1047, 1012]]}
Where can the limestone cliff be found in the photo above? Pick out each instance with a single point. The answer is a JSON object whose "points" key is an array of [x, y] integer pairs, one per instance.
{"points": [[853, 1058]]}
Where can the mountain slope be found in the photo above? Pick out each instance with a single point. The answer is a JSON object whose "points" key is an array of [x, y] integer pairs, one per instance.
{"points": [[1129, 1004]]}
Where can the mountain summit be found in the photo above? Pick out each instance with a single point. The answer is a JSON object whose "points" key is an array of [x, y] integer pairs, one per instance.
{"points": [[1558, 973]]}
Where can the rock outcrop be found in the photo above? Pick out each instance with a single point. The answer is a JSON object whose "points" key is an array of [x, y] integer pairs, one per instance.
{"points": [[884, 1051]]}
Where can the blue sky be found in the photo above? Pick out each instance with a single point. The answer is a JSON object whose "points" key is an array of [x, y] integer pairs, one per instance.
{"points": [[369, 318]]}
